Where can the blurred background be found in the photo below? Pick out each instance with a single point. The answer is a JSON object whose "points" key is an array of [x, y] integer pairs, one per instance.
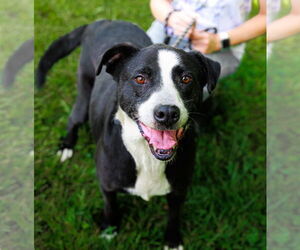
{"points": [[283, 134], [225, 208], [16, 125]]}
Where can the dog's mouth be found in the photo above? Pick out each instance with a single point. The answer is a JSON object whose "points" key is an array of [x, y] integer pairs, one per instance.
{"points": [[162, 143]]}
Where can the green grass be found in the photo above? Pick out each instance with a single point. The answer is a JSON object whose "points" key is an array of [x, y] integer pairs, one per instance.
{"points": [[16, 131], [283, 144], [225, 208]]}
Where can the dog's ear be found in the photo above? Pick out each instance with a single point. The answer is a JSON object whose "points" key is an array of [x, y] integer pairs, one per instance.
{"points": [[115, 56], [212, 70]]}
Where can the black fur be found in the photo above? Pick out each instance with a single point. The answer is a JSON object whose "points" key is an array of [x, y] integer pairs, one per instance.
{"points": [[212, 70], [58, 49], [16, 62], [124, 50]]}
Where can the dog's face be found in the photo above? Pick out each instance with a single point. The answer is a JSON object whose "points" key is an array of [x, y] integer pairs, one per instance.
{"points": [[160, 88]]}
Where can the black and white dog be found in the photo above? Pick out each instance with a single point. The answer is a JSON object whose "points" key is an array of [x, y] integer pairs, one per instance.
{"points": [[140, 100]]}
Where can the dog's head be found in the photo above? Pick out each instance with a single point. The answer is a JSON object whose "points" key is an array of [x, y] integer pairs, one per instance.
{"points": [[160, 87]]}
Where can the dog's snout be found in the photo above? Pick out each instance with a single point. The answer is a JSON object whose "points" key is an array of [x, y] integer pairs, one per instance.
{"points": [[166, 114]]}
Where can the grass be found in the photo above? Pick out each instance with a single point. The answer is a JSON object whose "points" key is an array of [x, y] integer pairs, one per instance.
{"points": [[16, 131], [283, 145], [225, 208]]}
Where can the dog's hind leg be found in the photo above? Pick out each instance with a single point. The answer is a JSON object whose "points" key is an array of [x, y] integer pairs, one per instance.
{"points": [[110, 222], [78, 116]]}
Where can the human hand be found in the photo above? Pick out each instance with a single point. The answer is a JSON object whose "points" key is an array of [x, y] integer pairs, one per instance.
{"points": [[205, 42], [179, 21]]}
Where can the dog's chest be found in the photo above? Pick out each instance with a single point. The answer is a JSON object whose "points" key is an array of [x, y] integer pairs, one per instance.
{"points": [[151, 179]]}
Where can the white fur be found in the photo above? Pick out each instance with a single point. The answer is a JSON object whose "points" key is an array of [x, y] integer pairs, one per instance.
{"points": [[108, 236], [151, 179], [65, 154], [180, 247], [167, 94]]}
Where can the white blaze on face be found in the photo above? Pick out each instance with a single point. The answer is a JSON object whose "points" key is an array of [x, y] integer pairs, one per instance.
{"points": [[167, 94]]}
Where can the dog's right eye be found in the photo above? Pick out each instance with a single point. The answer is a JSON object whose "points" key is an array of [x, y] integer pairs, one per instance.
{"points": [[186, 79], [140, 79]]}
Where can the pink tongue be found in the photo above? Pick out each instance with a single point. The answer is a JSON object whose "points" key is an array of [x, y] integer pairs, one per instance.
{"points": [[161, 139]]}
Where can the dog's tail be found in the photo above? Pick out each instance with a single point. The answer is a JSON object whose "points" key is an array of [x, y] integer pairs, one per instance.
{"points": [[16, 61], [60, 48]]}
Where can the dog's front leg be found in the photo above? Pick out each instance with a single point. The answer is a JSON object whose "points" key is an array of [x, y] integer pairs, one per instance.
{"points": [[173, 236], [111, 214]]}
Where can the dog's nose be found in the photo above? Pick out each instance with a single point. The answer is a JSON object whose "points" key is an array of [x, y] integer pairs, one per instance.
{"points": [[166, 114]]}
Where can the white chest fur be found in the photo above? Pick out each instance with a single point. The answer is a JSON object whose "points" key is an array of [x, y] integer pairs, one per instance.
{"points": [[151, 179]]}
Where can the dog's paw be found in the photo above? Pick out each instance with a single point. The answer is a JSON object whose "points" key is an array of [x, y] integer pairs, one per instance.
{"points": [[65, 154], [109, 233], [180, 247], [173, 239], [108, 236]]}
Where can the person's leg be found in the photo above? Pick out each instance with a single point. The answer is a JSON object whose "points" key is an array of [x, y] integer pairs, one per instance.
{"points": [[156, 32]]}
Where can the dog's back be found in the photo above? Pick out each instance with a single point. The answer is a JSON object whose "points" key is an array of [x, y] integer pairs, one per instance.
{"points": [[95, 38]]}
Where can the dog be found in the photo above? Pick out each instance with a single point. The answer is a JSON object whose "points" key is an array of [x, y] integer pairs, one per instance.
{"points": [[140, 100]]}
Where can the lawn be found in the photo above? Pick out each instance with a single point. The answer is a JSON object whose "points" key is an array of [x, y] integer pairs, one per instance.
{"points": [[16, 131], [225, 207], [283, 144]]}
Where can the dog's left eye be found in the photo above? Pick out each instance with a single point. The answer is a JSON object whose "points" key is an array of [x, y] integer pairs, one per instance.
{"points": [[186, 79], [140, 79]]}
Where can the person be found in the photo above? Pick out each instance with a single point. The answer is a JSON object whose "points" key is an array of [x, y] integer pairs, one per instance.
{"points": [[220, 29], [285, 26]]}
